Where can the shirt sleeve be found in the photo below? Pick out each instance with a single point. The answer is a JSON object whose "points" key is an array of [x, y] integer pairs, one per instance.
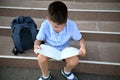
{"points": [[76, 35], [41, 33]]}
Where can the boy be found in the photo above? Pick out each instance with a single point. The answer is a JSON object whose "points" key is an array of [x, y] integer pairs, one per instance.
{"points": [[57, 31]]}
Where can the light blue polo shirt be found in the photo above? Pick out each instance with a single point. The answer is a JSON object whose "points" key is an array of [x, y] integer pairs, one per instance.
{"points": [[58, 40]]}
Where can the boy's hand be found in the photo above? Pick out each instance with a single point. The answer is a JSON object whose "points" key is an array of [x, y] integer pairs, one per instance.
{"points": [[37, 47], [82, 51], [82, 47]]}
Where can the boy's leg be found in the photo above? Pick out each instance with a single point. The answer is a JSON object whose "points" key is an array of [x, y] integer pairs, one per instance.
{"points": [[71, 63], [43, 63]]}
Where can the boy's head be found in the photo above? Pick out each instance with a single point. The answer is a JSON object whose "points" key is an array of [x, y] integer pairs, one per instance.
{"points": [[57, 12]]}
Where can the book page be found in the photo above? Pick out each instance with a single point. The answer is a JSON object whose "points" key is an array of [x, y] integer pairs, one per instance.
{"points": [[53, 53], [69, 52], [49, 51]]}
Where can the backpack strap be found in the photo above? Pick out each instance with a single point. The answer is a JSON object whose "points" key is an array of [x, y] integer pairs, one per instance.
{"points": [[18, 20], [32, 27], [16, 38], [33, 31]]}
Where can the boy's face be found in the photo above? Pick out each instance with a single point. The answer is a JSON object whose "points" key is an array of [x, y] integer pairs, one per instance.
{"points": [[57, 27]]}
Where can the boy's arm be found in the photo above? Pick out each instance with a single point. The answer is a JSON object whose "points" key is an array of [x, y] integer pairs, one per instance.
{"points": [[37, 44], [82, 47]]}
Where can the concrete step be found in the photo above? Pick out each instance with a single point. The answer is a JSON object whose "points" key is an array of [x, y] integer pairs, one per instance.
{"points": [[88, 35], [88, 11], [81, 15], [84, 66], [95, 49], [13, 73], [70, 4], [111, 1], [92, 30], [100, 27]]}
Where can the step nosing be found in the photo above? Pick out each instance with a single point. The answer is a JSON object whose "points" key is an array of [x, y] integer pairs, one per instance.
{"points": [[82, 31], [100, 32], [81, 10], [80, 61]]}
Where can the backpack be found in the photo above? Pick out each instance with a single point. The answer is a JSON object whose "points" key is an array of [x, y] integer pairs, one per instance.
{"points": [[23, 33]]}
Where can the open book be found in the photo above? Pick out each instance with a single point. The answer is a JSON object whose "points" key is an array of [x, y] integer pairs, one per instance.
{"points": [[53, 53]]}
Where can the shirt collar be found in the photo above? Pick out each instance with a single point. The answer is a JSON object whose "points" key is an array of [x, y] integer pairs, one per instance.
{"points": [[64, 31]]}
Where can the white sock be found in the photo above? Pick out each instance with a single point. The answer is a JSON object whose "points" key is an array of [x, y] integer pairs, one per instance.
{"points": [[71, 76], [45, 76]]}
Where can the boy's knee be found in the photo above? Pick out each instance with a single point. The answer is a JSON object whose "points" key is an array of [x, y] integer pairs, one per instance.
{"points": [[73, 61], [42, 58]]}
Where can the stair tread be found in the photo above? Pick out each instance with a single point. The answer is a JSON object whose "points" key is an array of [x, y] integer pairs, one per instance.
{"points": [[34, 74], [70, 4], [95, 50], [97, 26]]}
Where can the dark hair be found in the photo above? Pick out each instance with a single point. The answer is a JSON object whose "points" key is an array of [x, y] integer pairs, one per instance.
{"points": [[57, 12]]}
